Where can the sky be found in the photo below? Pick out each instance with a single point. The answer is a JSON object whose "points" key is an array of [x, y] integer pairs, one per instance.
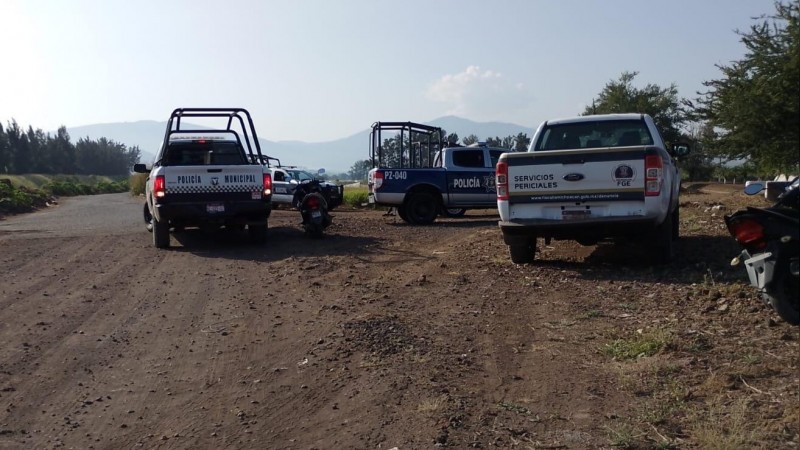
{"points": [[320, 70]]}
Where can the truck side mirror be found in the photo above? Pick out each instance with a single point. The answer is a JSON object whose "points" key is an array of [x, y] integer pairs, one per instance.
{"points": [[680, 149], [140, 168]]}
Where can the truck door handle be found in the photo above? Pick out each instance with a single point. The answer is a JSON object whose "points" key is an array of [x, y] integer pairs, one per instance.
{"points": [[214, 170], [576, 161]]}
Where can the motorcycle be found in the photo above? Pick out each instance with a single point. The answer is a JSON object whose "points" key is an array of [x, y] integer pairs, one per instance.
{"points": [[313, 207], [771, 241]]}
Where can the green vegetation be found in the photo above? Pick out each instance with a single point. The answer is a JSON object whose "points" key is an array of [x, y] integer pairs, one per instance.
{"points": [[33, 151], [24, 193], [137, 182], [639, 345], [356, 196]]}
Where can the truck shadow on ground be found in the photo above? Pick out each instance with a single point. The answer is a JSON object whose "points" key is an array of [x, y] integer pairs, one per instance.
{"points": [[696, 259], [457, 223], [282, 243]]}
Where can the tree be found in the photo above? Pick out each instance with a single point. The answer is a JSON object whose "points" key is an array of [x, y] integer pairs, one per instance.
{"points": [[755, 106], [469, 140], [662, 104], [359, 169], [521, 142], [5, 153]]}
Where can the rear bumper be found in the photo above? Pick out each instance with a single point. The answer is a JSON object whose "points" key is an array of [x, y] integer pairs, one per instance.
{"points": [[253, 212], [599, 228]]}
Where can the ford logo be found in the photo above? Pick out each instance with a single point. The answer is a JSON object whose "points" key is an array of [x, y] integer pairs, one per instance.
{"points": [[573, 177]]}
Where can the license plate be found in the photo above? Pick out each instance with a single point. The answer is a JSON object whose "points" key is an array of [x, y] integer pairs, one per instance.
{"points": [[576, 214], [214, 208], [371, 199], [316, 214]]}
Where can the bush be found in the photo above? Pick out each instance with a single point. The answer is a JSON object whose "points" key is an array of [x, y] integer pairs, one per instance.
{"points": [[356, 197], [137, 182]]}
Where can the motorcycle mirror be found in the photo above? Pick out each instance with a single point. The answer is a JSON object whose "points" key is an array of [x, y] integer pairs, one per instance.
{"points": [[754, 188], [320, 171]]}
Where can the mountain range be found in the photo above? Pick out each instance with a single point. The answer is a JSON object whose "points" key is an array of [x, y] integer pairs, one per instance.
{"points": [[335, 156]]}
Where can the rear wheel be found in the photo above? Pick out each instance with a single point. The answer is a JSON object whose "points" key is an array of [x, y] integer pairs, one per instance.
{"points": [[148, 218], [421, 208], [663, 248], [401, 211], [160, 233], [676, 223], [784, 296], [523, 252]]}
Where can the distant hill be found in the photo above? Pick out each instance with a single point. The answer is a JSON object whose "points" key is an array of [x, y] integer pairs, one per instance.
{"points": [[335, 156]]}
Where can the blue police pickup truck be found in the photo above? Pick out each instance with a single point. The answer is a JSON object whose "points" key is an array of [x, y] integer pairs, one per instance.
{"points": [[414, 172]]}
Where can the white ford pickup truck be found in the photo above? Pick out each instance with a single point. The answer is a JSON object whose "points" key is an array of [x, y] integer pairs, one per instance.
{"points": [[587, 179]]}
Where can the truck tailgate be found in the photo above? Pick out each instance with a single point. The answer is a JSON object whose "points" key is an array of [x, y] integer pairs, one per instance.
{"points": [[570, 176], [242, 181]]}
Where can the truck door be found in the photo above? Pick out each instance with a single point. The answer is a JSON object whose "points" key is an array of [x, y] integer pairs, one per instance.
{"points": [[281, 188], [467, 177]]}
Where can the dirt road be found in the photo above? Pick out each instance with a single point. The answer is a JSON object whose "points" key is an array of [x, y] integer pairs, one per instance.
{"points": [[381, 335]]}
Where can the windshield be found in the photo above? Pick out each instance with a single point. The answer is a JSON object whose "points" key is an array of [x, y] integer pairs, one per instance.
{"points": [[300, 175], [203, 153], [601, 133]]}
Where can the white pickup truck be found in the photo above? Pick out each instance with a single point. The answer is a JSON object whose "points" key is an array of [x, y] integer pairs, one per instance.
{"points": [[587, 179], [208, 178]]}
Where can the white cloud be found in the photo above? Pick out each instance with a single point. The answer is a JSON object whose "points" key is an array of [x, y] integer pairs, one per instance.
{"points": [[480, 95]]}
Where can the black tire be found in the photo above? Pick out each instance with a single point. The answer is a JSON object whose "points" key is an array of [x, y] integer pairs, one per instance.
{"points": [[523, 252], [663, 248], [160, 233], [401, 211], [148, 218], [784, 296], [421, 208], [676, 223], [257, 233], [454, 212]]}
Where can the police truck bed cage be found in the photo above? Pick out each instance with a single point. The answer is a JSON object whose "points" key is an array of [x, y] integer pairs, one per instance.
{"points": [[417, 146], [253, 150]]}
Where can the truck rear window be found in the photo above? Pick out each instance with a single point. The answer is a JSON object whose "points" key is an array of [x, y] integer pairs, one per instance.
{"points": [[205, 153], [604, 133]]}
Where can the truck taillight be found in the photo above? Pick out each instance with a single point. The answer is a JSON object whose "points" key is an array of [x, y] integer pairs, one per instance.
{"points": [[653, 175], [501, 180], [267, 185], [378, 179], [748, 232], [159, 186]]}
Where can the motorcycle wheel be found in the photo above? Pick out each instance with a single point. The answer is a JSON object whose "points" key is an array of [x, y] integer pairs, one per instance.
{"points": [[784, 296]]}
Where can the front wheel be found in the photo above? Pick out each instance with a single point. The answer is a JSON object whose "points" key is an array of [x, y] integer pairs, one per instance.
{"points": [[523, 252], [455, 212], [421, 208]]}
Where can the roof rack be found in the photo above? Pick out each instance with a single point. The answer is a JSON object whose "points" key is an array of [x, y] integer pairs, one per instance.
{"points": [[418, 144], [174, 127]]}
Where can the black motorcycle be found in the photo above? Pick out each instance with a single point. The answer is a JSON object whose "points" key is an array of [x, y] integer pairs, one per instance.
{"points": [[313, 207], [771, 241]]}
